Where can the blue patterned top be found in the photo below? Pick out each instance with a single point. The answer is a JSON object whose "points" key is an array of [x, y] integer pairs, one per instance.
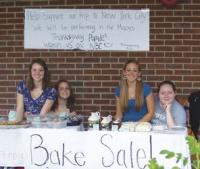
{"points": [[31, 105], [131, 114]]}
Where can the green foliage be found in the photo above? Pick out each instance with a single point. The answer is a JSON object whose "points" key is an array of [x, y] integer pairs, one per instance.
{"points": [[194, 146], [185, 161], [168, 154], [153, 164]]}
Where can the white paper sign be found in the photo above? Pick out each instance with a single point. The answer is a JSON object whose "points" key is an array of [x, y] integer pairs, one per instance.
{"points": [[62, 148], [86, 29], [87, 150], [11, 148]]}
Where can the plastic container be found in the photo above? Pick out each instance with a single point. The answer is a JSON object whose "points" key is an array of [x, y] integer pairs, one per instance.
{"points": [[3, 118], [49, 121], [12, 115], [57, 123]]}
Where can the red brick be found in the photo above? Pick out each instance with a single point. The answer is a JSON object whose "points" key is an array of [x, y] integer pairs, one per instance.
{"points": [[7, 83], [83, 101], [19, 26], [92, 60], [155, 54], [181, 84], [174, 78], [191, 31], [195, 72], [163, 25], [7, 15], [196, 85], [109, 60], [195, 48], [157, 31], [102, 78], [173, 19], [92, 2], [192, 78], [7, 107], [40, 3], [192, 7], [191, 42], [127, 1], [155, 78], [110, 71], [15, 20], [92, 71], [174, 31], [102, 66], [91, 96], [182, 36], [192, 66], [195, 25], [183, 13], [164, 72], [100, 101], [173, 54], [7, 26], [79, 72], [163, 13], [74, 2], [67, 65], [163, 48], [93, 83], [84, 66], [182, 72], [164, 37], [182, 60], [15, 9], [23, 3], [56, 2], [15, 43], [2, 101], [84, 90], [110, 109], [109, 1], [182, 48], [174, 66], [78, 60], [163, 60], [7, 3], [6, 38]]}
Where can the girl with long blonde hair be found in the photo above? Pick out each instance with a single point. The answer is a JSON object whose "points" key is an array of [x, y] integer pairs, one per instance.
{"points": [[134, 98]]}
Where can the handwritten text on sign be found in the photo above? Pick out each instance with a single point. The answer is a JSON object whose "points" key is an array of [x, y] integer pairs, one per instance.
{"points": [[63, 148], [87, 29], [107, 151]]}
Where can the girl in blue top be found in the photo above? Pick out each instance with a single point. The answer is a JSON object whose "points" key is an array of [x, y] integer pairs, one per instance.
{"points": [[35, 95], [134, 98]]}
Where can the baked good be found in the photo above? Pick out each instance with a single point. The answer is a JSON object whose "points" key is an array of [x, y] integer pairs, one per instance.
{"points": [[143, 126], [135, 126], [9, 123], [128, 126]]}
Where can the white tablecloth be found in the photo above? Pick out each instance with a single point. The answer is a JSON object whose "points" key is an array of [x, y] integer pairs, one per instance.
{"points": [[68, 148]]}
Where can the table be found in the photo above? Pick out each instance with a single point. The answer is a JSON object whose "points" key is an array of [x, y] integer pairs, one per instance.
{"points": [[43, 148]]}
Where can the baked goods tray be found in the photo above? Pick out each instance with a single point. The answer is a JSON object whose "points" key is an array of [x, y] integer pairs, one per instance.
{"points": [[14, 125]]}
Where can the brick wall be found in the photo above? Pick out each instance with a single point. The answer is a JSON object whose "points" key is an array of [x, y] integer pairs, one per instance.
{"points": [[174, 52]]}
